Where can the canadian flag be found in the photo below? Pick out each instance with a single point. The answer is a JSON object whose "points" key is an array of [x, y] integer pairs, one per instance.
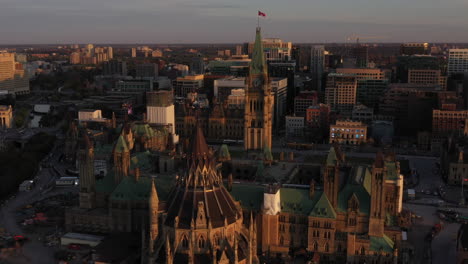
{"points": [[260, 13]]}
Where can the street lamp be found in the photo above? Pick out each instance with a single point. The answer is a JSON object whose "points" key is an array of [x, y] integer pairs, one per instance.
{"points": [[462, 202]]}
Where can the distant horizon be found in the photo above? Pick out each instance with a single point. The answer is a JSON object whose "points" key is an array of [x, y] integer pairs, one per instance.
{"points": [[221, 21], [221, 43]]}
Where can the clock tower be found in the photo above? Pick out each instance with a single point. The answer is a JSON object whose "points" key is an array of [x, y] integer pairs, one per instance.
{"points": [[258, 101]]}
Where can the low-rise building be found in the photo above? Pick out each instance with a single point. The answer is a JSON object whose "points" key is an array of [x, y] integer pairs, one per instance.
{"points": [[318, 116], [89, 115], [348, 132], [294, 126], [362, 113], [6, 116], [303, 100], [446, 121], [187, 84]]}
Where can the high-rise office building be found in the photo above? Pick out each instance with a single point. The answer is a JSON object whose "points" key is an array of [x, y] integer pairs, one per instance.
{"points": [[12, 76], [361, 55], [90, 49], [198, 65], [188, 84], [110, 53], [274, 49], [147, 70], [75, 58], [340, 92], [285, 69], [238, 49], [134, 52], [414, 49], [317, 65], [222, 88], [114, 67], [427, 77], [366, 74], [279, 89], [414, 62], [457, 61], [7, 66], [369, 91], [304, 100]]}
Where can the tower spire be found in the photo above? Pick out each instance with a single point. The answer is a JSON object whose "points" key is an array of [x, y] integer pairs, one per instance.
{"points": [[153, 215], [258, 65]]}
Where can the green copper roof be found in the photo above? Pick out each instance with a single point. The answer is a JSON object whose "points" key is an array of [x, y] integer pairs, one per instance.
{"points": [[224, 152], [332, 158], [258, 65], [142, 129], [384, 243], [297, 201], [267, 153], [131, 190], [164, 184], [250, 196], [323, 208], [360, 192], [392, 172], [121, 145], [142, 160], [260, 170], [103, 150], [361, 175], [106, 184]]}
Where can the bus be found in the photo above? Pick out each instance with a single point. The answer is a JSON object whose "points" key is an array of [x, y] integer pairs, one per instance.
{"points": [[67, 182]]}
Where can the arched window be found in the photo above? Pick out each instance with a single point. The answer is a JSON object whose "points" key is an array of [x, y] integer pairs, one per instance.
{"points": [[281, 240], [363, 251], [184, 242], [216, 240], [315, 246], [327, 247], [201, 242], [339, 248]]}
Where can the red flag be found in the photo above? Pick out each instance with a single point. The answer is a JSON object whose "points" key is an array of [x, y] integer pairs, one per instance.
{"points": [[261, 14]]}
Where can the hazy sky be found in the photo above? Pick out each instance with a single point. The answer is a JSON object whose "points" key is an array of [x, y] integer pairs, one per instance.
{"points": [[230, 21]]}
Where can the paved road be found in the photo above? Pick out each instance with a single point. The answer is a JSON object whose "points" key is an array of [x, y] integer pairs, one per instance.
{"points": [[443, 245], [33, 251]]}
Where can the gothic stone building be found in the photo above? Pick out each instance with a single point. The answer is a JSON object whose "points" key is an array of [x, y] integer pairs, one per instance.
{"points": [[353, 218], [202, 223], [251, 123], [119, 201]]}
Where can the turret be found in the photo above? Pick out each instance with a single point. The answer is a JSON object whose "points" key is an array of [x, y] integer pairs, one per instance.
{"points": [[86, 171], [153, 215], [331, 177], [121, 159], [312, 189], [114, 121], [169, 255], [377, 210], [230, 181]]}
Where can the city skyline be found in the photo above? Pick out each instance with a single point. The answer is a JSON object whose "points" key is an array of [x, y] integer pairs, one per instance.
{"points": [[224, 22]]}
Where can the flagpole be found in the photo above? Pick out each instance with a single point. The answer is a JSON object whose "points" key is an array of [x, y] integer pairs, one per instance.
{"points": [[258, 20]]}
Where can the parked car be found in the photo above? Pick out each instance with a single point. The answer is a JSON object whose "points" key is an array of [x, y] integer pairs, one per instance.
{"points": [[74, 247]]}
